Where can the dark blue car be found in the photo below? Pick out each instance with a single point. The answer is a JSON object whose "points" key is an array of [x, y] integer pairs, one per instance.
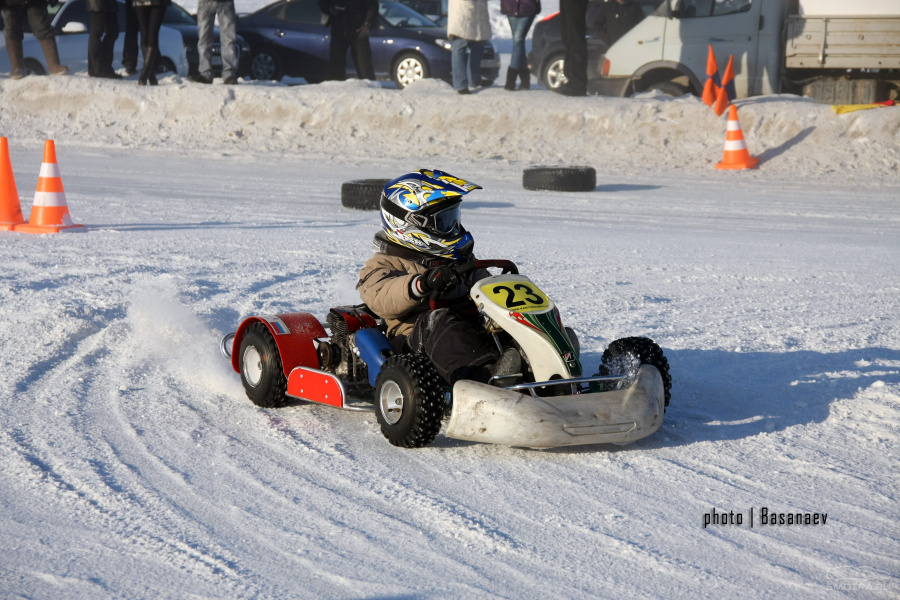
{"points": [[290, 38]]}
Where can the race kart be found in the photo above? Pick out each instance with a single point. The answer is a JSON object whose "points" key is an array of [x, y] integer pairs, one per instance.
{"points": [[550, 403]]}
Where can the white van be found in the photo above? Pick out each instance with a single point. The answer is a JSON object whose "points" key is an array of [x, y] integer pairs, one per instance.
{"points": [[834, 50]]}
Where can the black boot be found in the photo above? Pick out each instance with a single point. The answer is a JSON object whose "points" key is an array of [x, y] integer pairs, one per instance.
{"points": [[510, 79], [148, 71], [525, 76]]}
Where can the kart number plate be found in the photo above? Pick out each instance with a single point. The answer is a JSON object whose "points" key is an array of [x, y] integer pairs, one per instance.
{"points": [[517, 295]]}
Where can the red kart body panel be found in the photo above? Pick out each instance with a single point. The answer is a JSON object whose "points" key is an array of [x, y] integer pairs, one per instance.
{"points": [[316, 386], [294, 334]]}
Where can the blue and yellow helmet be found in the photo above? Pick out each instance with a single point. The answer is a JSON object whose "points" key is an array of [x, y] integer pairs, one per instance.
{"points": [[420, 211]]}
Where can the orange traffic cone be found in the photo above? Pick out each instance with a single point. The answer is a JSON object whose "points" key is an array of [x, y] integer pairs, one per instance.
{"points": [[10, 209], [50, 213], [736, 154]]}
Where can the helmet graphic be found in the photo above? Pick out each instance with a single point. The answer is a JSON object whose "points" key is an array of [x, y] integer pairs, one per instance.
{"points": [[420, 211]]}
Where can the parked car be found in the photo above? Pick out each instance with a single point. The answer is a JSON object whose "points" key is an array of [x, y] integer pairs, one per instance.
{"points": [[436, 10], [178, 18], [290, 38], [72, 21], [547, 55]]}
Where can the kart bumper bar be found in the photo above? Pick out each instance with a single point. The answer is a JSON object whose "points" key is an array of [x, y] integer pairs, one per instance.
{"points": [[483, 413]]}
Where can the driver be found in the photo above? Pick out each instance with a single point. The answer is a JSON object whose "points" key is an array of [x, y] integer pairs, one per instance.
{"points": [[421, 242]]}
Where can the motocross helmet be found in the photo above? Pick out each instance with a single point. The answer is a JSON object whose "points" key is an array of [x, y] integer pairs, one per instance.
{"points": [[420, 211]]}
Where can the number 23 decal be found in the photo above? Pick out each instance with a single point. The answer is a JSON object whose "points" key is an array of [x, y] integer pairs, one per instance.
{"points": [[531, 297]]}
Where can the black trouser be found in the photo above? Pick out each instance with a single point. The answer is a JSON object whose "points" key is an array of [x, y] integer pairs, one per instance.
{"points": [[149, 21], [35, 11], [130, 42], [455, 345], [573, 14], [360, 51], [104, 31]]}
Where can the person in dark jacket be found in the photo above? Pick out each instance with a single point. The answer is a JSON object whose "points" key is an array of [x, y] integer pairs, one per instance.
{"points": [[149, 15], [14, 13], [350, 22], [104, 31], [573, 15], [521, 15], [614, 18]]}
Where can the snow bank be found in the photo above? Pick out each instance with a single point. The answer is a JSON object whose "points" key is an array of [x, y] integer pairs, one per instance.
{"points": [[358, 119]]}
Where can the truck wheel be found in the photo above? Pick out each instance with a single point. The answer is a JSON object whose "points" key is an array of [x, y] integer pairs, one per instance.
{"points": [[560, 179], [260, 366], [625, 356], [408, 401], [363, 194], [669, 88]]}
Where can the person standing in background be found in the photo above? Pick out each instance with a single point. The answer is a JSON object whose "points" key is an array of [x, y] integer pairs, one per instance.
{"points": [[130, 41], [573, 15], [521, 15], [149, 15], [615, 18], [206, 18], [468, 27], [350, 22], [102, 38], [14, 13]]}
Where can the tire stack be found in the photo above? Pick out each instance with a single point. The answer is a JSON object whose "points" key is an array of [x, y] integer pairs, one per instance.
{"points": [[362, 194]]}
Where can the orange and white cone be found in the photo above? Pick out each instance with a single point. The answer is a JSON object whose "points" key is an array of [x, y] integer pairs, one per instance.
{"points": [[50, 213], [736, 154], [10, 209]]}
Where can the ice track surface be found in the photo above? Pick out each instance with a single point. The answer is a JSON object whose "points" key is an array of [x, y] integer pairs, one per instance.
{"points": [[132, 465]]}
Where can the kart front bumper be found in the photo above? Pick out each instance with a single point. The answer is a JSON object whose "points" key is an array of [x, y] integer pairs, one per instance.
{"points": [[484, 413]]}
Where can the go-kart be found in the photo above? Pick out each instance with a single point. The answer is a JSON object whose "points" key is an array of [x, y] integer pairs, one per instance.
{"points": [[550, 403]]}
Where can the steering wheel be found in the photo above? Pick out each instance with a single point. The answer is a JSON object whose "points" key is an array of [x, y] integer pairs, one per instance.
{"points": [[507, 266]]}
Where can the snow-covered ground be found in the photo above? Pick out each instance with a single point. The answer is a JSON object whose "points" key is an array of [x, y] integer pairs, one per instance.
{"points": [[133, 466]]}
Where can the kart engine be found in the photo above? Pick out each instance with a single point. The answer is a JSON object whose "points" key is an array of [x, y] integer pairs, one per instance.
{"points": [[338, 354]]}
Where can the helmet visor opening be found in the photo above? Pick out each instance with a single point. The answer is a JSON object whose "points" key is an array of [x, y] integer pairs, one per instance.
{"points": [[447, 221]]}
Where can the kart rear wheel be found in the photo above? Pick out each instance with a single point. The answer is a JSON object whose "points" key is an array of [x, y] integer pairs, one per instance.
{"points": [[408, 401], [260, 366], [625, 356]]}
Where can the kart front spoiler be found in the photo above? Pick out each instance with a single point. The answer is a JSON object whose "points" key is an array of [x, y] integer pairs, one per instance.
{"points": [[484, 413]]}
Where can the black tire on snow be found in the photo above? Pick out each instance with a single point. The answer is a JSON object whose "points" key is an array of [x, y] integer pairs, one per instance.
{"points": [[363, 194], [560, 179], [260, 366], [625, 353], [408, 401]]}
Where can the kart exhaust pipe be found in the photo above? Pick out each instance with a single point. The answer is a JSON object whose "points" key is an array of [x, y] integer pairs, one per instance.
{"points": [[483, 413]]}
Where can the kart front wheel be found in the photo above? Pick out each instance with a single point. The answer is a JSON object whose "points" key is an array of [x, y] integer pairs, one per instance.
{"points": [[625, 356], [260, 365], [408, 401]]}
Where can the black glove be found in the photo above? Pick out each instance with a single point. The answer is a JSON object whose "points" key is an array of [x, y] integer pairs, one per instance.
{"points": [[439, 280]]}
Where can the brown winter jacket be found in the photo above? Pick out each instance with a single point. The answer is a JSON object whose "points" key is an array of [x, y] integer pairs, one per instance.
{"points": [[384, 285]]}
